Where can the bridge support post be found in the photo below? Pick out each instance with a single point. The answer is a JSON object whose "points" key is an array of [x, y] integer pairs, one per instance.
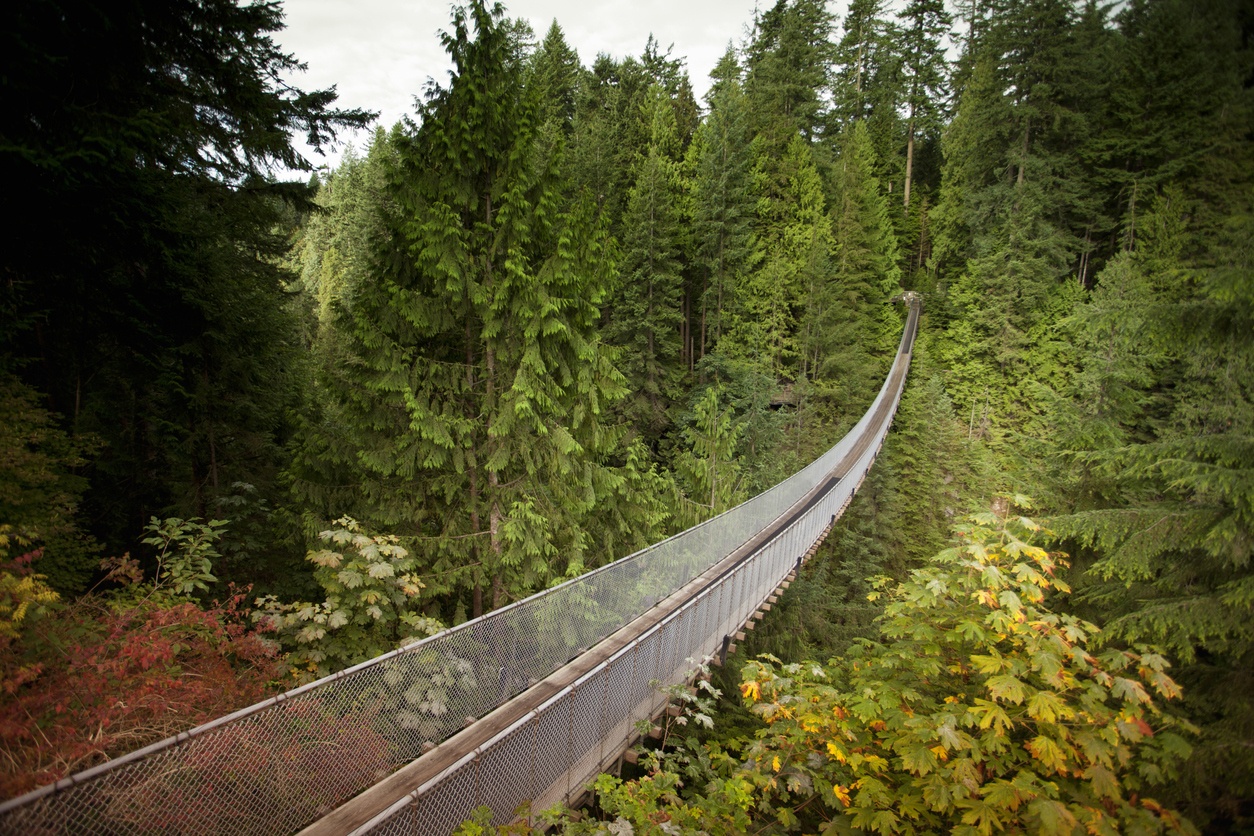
{"points": [[722, 654]]}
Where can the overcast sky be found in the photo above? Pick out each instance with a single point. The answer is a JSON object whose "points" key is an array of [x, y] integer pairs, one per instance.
{"points": [[380, 53]]}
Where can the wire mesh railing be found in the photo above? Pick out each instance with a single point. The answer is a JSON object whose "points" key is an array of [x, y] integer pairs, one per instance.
{"points": [[547, 756], [276, 766]]}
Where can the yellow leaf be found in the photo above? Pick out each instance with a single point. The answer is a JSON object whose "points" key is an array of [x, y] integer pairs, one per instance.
{"points": [[775, 763], [751, 690], [834, 751], [842, 793]]}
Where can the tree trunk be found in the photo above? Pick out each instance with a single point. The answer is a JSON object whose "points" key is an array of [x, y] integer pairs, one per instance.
{"points": [[1023, 163], [905, 200]]}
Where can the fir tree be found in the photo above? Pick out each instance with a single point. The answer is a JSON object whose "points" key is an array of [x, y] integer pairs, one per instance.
{"points": [[555, 73], [925, 29], [474, 404], [856, 328], [786, 66], [723, 203], [646, 312]]}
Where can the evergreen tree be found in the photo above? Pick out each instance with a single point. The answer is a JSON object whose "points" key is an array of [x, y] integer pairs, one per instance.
{"points": [[475, 402], [708, 469], [786, 71], [856, 329], [143, 295], [555, 73], [646, 315], [1167, 510], [795, 238], [723, 202], [865, 56], [923, 33]]}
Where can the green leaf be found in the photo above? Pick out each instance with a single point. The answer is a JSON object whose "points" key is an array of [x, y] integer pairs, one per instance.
{"points": [[1006, 687]]}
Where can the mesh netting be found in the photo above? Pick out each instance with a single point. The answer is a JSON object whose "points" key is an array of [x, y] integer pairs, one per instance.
{"points": [[277, 766]]}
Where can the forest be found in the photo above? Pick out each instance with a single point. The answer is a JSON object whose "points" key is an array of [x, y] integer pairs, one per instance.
{"points": [[565, 310]]}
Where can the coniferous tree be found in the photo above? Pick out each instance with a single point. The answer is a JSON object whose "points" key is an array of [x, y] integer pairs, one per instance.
{"points": [[1166, 505], [723, 202], [475, 409], [795, 238], [143, 293], [786, 72], [857, 328], [866, 57], [555, 73], [646, 313], [925, 27]]}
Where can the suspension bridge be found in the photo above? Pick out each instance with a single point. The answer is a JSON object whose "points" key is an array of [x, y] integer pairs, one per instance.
{"points": [[523, 705]]}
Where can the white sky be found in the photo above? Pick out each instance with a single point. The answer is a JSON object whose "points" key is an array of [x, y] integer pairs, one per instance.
{"points": [[380, 53]]}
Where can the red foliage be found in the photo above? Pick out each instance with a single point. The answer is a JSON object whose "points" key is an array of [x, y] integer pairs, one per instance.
{"points": [[95, 680]]}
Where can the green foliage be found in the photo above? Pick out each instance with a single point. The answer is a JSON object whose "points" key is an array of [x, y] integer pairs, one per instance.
{"points": [[925, 26], [23, 594], [726, 248], [795, 237], [979, 710], [186, 550], [647, 297], [41, 485], [854, 329], [556, 74], [468, 400], [369, 609], [708, 470], [145, 300], [787, 66]]}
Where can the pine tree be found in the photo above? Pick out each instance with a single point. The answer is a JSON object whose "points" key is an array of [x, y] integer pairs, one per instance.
{"points": [[476, 387], [786, 70], [143, 295], [795, 239], [555, 73], [865, 56], [856, 329], [925, 27], [723, 203], [1170, 519], [645, 312], [708, 467]]}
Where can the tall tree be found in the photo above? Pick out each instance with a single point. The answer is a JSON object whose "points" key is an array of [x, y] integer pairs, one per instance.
{"points": [[795, 237], [646, 313], [142, 292], [854, 329], [786, 69], [924, 30], [556, 73], [864, 51], [723, 202], [475, 407]]}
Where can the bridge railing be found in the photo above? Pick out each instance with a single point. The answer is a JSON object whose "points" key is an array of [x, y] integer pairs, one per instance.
{"points": [[548, 755], [276, 766]]}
